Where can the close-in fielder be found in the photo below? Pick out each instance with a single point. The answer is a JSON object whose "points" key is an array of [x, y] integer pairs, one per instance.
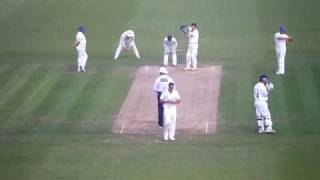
{"points": [[170, 45], [80, 45], [260, 95], [191, 57], [170, 98], [280, 40], [159, 86], [127, 42]]}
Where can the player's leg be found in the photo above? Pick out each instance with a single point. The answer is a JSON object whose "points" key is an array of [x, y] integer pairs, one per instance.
{"points": [[160, 111], [188, 59], [166, 125], [260, 121], [78, 61], [267, 119], [174, 58], [282, 60], [118, 51], [172, 132], [194, 58], [278, 52], [84, 61], [165, 59], [135, 50]]}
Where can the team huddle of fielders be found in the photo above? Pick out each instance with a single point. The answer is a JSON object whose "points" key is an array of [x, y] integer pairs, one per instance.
{"points": [[168, 96]]}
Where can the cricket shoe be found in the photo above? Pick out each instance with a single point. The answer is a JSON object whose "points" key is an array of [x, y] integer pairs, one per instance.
{"points": [[271, 131]]}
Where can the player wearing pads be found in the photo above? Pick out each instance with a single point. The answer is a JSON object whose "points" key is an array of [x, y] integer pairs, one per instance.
{"points": [[260, 95], [170, 45], [170, 98], [191, 57], [280, 40], [80, 45], [127, 42], [159, 86]]}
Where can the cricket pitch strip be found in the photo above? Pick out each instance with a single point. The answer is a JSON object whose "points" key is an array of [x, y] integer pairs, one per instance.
{"points": [[196, 114]]}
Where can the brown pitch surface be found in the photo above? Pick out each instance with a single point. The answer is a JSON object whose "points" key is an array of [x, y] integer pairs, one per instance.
{"points": [[197, 112]]}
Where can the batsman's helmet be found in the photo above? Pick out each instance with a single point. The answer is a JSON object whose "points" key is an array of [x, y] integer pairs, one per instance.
{"points": [[130, 33], [169, 37], [263, 77], [81, 29]]}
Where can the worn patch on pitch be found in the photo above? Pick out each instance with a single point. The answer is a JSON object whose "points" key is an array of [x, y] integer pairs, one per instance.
{"points": [[197, 112]]}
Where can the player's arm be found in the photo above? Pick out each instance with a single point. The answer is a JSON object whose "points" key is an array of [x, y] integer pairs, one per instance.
{"points": [[76, 44]]}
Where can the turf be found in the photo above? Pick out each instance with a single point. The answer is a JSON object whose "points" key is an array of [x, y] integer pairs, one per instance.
{"points": [[56, 123]]}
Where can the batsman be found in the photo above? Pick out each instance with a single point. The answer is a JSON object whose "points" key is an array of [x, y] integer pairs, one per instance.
{"points": [[260, 95]]}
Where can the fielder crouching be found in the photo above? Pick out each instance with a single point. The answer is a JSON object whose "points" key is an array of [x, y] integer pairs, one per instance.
{"points": [[260, 95]]}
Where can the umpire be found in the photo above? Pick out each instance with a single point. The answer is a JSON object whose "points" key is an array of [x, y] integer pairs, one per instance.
{"points": [[159, 86]]}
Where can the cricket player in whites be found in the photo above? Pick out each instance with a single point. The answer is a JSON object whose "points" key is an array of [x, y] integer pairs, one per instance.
{"points": [[191, 57], [170, 98], [127, 42], [260, 95], [80, 45], [170, 45], [280, 40]]}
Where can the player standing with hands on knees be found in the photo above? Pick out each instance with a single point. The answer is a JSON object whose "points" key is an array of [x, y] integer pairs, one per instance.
{"points": [[127, 42], [192, 34], [260, 96], [80, 45], [280, 40], [170, 98], [170, 45]]}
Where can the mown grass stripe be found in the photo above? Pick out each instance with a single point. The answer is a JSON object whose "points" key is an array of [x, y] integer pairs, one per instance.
{"points": [[14, 80]]}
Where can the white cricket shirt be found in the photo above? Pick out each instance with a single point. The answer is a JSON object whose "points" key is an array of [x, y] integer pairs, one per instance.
{"points": [[82, 39], [280, 43], [172, 96]]}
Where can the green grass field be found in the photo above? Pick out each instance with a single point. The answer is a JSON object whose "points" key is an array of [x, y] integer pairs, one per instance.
{"points": [[56, 123]]}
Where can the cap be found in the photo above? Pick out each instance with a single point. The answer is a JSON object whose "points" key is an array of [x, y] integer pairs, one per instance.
{"points": [[282, 29], [163, 70], [130, 33]]}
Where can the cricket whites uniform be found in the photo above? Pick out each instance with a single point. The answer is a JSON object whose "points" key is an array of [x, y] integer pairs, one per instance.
{"points": [[280, 47], [81, 50], [192, 52], [170, 48], [127, 42], [160, 85], [170, 114], [260, 95]]}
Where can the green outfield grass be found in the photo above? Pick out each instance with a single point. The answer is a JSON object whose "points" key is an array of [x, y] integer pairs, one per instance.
{"points": [[56, 123]]}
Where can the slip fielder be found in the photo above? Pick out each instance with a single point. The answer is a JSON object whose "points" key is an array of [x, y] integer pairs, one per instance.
{"points": [[127, 42]]}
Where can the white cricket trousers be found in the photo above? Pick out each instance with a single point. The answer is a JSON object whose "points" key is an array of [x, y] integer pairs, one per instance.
{"points": [[166, 58], [169, 127], [191, 56], [82, 59], [131, 46], [263, 115], [281, 55]]}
